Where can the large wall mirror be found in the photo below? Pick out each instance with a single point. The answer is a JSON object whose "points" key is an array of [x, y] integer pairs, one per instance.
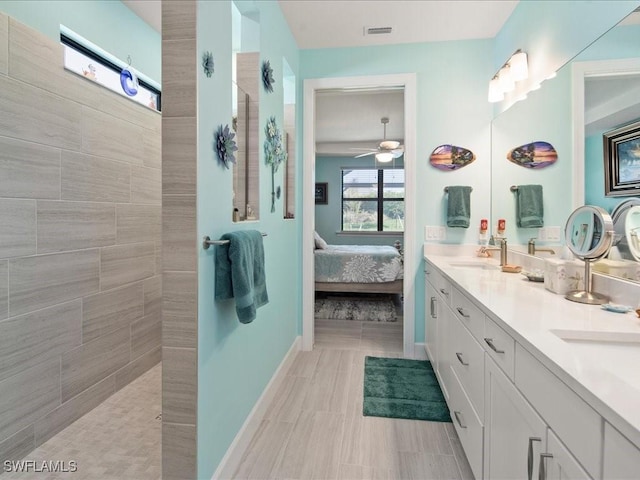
{"points": [[246, 103], [609, 98], [289, 99]]}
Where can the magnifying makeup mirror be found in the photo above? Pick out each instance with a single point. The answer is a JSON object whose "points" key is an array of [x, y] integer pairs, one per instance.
{"points": [[589, 235], [632, 231]]}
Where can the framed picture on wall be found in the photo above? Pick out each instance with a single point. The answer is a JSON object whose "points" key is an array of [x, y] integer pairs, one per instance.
{"points": [[321, 193], [622, 161]]}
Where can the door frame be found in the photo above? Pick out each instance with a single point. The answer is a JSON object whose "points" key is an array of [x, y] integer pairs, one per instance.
{"points": [[411, 255]]}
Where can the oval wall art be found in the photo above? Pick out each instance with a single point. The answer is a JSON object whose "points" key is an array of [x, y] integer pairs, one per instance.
{"points": [[533, 155], [451, 157]]}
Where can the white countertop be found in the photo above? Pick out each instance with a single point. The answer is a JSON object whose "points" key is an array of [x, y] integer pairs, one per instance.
{"points": [[606, 376]]}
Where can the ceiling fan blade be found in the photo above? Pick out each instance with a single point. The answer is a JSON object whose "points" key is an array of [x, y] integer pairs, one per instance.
{"points": [[365, 154], [364, 149]]}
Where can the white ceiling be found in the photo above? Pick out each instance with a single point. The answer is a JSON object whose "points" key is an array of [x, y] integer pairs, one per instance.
{"points": [[148, 10], [341, 23]]}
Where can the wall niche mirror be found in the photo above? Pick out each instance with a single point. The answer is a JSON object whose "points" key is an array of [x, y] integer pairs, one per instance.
{"points": [[246, 109], [571, 111], [589, 235], [289, 99]]}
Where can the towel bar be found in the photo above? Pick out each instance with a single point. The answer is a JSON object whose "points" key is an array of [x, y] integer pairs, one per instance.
{"points": [[446, 189], [207, 242], [513, 188]]}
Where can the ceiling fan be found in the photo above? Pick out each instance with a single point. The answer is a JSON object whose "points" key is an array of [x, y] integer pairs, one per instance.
{"points": [[387, 149]]}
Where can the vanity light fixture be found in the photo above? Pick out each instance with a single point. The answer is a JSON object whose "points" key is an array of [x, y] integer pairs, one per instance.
{"points": [[504, 81]]}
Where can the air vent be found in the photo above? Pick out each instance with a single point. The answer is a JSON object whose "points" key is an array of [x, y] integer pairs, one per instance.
{"points": [[376, 30]]}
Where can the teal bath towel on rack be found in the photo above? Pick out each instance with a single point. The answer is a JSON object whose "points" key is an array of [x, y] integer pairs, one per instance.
{"points": [[458, 206], [240, 273], [529, 207]]}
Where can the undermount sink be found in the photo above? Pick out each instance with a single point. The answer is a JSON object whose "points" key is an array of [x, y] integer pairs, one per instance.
{"points": [[616, 352], [480, 263]]}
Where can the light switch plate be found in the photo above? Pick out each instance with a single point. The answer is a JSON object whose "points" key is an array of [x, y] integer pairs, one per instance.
{"points": [[435, 232]]}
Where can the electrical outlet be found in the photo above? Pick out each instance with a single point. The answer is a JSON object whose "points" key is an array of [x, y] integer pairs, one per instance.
{"points": [[435, 232], [553, 234], [542, 234]]}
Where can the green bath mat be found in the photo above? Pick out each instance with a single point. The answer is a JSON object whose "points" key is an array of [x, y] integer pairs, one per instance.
{"points": [[401, 388]]}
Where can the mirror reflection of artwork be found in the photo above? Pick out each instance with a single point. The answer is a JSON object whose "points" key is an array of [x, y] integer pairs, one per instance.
{"points": [[629, 158], [622, 160], [451, 157], [533, 155]]}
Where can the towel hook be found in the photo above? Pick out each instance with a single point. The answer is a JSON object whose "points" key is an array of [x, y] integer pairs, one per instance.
{"points": [[513, 188], [207, 242]]}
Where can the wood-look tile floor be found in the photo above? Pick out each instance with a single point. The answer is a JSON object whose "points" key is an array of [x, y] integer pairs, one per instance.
{"points": [[120, 439], [314, 428]]}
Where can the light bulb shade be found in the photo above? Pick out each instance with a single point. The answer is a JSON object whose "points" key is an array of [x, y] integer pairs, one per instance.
{"points": [[495, 92], [506, 80], [519, 66], [384, 157]]}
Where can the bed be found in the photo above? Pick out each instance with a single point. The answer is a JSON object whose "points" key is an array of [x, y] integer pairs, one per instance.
{"points": [[358, 268]]}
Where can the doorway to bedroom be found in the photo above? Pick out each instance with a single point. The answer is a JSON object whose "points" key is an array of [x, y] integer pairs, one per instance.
{"points": [[358, 288]]}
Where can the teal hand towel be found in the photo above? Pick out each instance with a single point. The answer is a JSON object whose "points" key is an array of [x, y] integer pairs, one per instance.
{"points": [[240, 273], [459, 206], [529, 208]]}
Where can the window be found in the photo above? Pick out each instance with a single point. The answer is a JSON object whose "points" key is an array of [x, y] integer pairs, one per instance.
{"points": [[93, 65], [373, 200]]}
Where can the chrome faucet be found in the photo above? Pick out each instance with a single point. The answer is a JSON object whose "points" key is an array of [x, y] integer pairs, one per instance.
{"points": [[502, 249], [532, 249]]}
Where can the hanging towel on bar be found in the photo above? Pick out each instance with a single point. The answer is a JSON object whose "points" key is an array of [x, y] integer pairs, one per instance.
{"points": [[459, 206], [240, 272], [529, 208]]}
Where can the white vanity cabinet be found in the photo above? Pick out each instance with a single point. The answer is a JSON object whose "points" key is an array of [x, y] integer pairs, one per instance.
{"points": [[621, 457], [515, 435], [437, 320]]}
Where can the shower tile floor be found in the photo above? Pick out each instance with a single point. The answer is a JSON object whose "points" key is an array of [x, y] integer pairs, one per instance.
{"points": [[118, 440]]}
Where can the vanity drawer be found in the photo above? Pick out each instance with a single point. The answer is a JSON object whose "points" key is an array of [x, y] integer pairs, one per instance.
{"points": [[500, 346], [467, 425], [467, 360], [577, 425], [439, 282], [470, 315]]}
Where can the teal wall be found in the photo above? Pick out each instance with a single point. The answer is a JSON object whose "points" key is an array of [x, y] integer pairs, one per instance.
{"points": [[451, 107], [545, 116], [109, 24], [328, 217], [236, 361], [594, 175]]}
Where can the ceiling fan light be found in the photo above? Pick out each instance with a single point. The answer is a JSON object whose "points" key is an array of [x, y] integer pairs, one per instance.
{"points": [[384, 157], [519, 66]]}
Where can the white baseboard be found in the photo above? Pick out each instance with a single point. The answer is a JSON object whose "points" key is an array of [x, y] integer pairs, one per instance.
{"points": [[419, 353], [231, 460]]}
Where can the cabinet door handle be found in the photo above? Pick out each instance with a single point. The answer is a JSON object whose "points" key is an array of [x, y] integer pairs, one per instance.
{"points": [[542, 471], [434, 313], [461, 312], [460, 359], [489, 342], [530, 456], [458, 415], [443, 291]]}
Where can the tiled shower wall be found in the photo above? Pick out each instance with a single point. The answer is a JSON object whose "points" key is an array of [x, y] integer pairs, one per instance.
{"points": [[180, 254], [80, 226]]}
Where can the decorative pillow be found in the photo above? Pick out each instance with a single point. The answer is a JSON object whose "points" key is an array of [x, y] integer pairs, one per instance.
{"points": [[320, 243]]}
